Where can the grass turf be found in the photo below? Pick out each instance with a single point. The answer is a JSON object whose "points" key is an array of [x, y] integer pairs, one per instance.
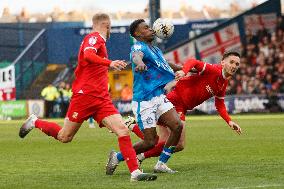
{"points": [[215, 157]]}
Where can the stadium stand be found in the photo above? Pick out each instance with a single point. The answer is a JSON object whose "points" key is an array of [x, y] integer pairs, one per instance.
{"points": [[262, 68]]}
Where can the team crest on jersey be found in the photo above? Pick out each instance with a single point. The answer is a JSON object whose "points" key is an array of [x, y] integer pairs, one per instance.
{"points": [[166, 100], [75, 115], [92, 40], [149, 120], [137, 47]]}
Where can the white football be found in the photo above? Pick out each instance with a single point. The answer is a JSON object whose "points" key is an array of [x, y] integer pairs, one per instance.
{"points": [[163, 28]]}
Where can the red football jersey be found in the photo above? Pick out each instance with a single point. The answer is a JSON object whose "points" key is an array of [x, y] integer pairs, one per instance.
{"points": [[208, 82], [92, 78]]}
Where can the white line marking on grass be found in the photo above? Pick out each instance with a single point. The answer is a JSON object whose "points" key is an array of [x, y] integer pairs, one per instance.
{"points": [[259, 186]]}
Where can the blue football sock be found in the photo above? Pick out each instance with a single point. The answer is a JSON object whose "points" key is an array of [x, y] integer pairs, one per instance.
{"points": [[119, 156], [166, 154]]}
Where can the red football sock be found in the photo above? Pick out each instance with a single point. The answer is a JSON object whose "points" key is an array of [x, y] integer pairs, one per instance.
{"points": [[156, 151], [128, 153], [138, 132], [49, 128]]}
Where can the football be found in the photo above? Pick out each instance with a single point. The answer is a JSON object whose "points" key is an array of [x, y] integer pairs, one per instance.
{"points": [[163, 28]]}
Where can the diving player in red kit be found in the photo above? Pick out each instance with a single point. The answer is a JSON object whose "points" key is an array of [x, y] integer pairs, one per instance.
{"points": [[210, 80]]}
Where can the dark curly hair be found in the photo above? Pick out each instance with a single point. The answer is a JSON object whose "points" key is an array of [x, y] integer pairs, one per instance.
{"points": [[134, 25]]}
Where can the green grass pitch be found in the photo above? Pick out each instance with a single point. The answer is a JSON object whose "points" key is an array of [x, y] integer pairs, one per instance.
{"points": [[215, 157]]}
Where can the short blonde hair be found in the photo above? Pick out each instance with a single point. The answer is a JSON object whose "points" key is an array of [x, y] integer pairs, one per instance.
{"points": [[99, 17]]}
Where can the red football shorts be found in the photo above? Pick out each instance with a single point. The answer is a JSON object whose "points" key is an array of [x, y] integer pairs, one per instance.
{"points": [[84, 106], [175, 100]]}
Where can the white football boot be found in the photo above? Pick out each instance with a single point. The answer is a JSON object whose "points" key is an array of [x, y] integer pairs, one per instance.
{"points": [[112, 163], [161, 167], [27, 126], [138, 175]]}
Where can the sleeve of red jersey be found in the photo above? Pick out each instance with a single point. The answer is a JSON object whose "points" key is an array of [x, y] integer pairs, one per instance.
{"points": [[190, 63], [221, 108], [91, 46], [220, 105]]}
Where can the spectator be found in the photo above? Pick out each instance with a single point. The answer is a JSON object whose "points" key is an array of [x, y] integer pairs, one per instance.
{"points": [[50, 94], [67, 93], [262, 63], [280, 23], [68, 90], [63, 99], [272, 104], [251, 38], [59, 100], [91, 123], [126, 93]]}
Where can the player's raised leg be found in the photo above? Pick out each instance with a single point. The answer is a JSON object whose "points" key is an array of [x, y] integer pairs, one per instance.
{"points": [[115, 124], [78, 111], [63, 134]]}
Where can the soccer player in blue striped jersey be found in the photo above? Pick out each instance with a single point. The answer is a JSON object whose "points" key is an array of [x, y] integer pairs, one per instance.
{"points": [[151, 73]]}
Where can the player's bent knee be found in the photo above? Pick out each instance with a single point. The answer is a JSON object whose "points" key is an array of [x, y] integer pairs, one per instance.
{"points": [[178, 127]]}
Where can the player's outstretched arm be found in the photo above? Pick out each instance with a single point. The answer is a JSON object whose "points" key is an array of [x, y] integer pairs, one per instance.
{"points": [[174, 66], [137, 60], [235, 127], [221, 108], [118, 65], [91, 56]]}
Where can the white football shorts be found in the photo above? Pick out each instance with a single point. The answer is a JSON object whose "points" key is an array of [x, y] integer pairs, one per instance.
{"points": [[147, 113]]}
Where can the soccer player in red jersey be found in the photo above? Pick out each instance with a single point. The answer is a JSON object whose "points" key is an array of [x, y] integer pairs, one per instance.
{"points": [[91, 97], [191, 90]]}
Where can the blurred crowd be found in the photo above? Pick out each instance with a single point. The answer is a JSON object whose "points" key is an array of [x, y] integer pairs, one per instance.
{"points": [[56, 99], [262, 68]]}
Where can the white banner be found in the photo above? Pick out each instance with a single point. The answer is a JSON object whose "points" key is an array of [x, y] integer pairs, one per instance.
{"points": [[36, 107], [211, 47], [179, 55], [7, 83], [255, 22], [245, 103]]}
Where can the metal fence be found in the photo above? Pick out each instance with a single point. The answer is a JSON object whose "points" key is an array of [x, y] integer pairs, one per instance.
{"points": [[30, 62]]}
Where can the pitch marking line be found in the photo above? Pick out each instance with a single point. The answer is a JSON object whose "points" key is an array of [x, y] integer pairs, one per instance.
{"points": [[259, 186]]}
